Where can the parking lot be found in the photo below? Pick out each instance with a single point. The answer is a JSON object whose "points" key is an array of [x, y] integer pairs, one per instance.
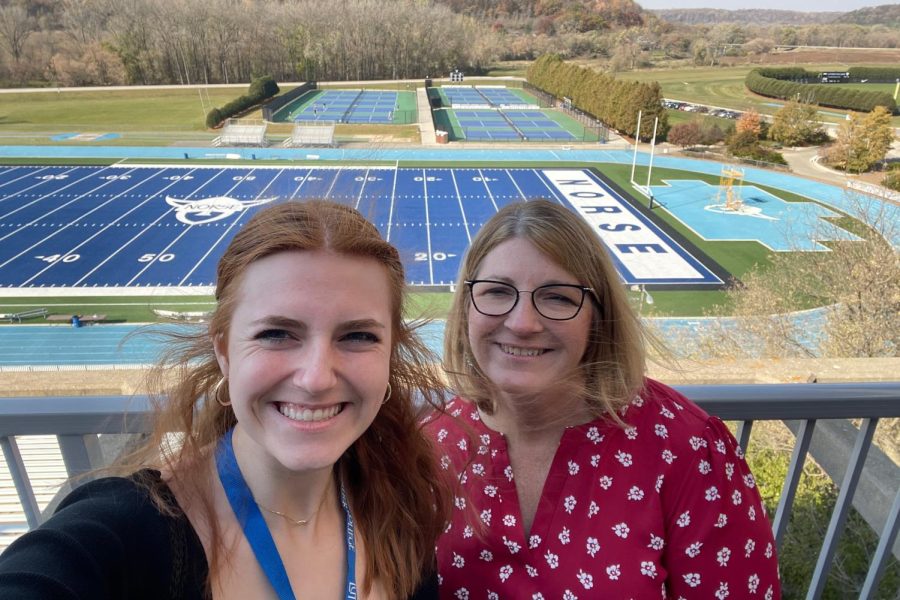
{"points": [[703, 109]]}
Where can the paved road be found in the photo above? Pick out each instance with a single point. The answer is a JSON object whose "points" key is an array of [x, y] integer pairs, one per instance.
{"points": [[803, 163]]}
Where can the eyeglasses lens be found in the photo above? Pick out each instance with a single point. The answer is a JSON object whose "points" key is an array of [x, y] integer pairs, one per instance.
{"points": [[557, 302]]}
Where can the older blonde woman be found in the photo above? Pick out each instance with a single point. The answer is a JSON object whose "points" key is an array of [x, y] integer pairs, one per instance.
{"points": [[581, 477]]}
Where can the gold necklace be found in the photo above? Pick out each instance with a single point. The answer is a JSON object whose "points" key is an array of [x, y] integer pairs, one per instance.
{"points": [[291, 520]]}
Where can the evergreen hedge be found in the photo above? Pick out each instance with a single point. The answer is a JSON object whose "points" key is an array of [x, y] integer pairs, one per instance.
{"points": [[875, 74], [609, 100], [787, 84], [261, 88]]}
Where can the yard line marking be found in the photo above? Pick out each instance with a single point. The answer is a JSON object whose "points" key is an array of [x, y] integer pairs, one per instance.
{"points": [[515, 183], [427, 226], [55, 233], [387, 238], [550, 188], [85, 241], [488, 190], [361, 189], [460, 202], [133, 238], [214, 245], [155, 258], [43, 197], [333, 181], [28, 171], [300, 184]]}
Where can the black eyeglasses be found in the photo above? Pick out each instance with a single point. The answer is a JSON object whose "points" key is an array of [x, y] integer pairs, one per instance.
{"points": [[557, 302]]}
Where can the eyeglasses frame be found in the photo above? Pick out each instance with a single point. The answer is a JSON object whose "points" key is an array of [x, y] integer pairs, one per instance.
{"points": [[584, 290]]}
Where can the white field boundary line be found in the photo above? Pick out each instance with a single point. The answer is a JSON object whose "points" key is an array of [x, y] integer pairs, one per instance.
{"points": [[79, 367]]}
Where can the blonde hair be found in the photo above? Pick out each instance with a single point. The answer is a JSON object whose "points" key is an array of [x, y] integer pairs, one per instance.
{"points": [[396, 494], [613, 366]]}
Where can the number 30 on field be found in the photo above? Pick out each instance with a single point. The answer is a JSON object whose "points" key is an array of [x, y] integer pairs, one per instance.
{"points": [[423, 256]]}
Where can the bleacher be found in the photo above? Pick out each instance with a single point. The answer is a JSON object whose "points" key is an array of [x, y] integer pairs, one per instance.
{"points": [[242, 133], [312, 133]]}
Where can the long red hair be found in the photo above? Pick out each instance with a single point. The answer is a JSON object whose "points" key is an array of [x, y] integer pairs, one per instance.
{"points": [[396, 493]]}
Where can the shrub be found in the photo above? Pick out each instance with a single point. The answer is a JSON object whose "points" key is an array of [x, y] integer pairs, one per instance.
{"points": [[685, 134], [790, 83], [892, 179], [261, 88], [213, 118]]}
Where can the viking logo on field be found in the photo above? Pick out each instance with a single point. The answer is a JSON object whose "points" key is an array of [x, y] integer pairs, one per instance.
{"points": [[208, 210]]}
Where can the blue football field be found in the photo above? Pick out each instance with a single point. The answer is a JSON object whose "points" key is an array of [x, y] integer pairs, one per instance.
{"points": [[162, 227]]}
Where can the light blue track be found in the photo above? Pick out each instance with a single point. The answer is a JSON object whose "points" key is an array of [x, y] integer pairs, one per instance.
{"points": [[102, 345]]}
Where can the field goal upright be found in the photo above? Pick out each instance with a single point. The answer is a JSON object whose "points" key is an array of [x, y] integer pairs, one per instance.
{"points": [[730, 182]]}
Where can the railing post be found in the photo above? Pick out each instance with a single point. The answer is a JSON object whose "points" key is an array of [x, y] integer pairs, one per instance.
{"points": [[743, 430], [20, 479], [841, 508], [879, 560], [81, 453], [795, 471]]}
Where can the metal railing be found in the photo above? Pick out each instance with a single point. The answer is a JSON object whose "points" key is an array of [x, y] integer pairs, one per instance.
{"points": [[805, 408]]}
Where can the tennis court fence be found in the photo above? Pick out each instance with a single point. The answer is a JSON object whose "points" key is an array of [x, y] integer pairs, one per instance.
{"points": [[589, 122]]}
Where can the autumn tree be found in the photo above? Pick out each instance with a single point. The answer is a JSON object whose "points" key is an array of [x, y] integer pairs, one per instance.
{"points": [[796, 124], [685, 134], [750, 122], [863, 141], [855, 285]]}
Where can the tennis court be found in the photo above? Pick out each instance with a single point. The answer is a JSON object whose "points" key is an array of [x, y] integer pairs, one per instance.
{"points": [[464, 96], [350, 106], [506, 125], [467, 96]]}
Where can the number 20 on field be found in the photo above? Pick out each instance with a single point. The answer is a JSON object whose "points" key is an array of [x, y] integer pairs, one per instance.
{"points": [[423, 256]]}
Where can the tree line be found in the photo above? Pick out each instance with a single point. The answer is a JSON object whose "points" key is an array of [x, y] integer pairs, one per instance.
{"points": [[108, 42], [613, 101]]}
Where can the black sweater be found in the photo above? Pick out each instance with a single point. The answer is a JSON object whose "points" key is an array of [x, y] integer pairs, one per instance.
{"points": [[108, 540]]}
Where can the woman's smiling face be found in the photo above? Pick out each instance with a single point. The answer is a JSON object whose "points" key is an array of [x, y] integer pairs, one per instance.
{"points": [[522, 352], [307, 355]]}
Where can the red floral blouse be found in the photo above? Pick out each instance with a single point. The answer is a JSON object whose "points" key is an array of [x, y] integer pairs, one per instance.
{"points": [[664, 508]]}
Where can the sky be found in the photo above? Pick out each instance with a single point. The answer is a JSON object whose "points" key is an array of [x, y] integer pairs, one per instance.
{"points": [[798, 5]]}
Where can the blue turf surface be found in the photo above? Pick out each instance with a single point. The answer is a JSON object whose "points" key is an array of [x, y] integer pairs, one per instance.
{"points": [[101, 227]]}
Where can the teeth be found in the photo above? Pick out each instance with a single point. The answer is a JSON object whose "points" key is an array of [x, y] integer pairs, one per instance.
{"points": [[305, 414], [516, 351]]}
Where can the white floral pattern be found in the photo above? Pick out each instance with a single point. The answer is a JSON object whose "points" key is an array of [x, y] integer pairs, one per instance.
{"points": [[667, 503]]}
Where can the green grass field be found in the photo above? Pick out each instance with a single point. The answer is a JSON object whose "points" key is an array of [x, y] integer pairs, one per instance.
{"points": [[139, 309], [158, 116], [724, 87], [145, 110]]}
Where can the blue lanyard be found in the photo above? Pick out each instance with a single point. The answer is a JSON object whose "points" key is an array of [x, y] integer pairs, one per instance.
{"points": [[257, 532]]}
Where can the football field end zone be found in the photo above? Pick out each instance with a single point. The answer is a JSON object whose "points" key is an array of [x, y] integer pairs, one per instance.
{"points": [[712, 276]]}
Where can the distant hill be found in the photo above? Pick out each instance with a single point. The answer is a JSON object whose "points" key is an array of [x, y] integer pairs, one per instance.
{"points": [[710, 16], [572, 14], [886, 14]]}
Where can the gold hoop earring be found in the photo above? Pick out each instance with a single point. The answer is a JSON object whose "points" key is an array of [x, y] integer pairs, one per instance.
{"points": [[387, 395], [217, 390]]}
